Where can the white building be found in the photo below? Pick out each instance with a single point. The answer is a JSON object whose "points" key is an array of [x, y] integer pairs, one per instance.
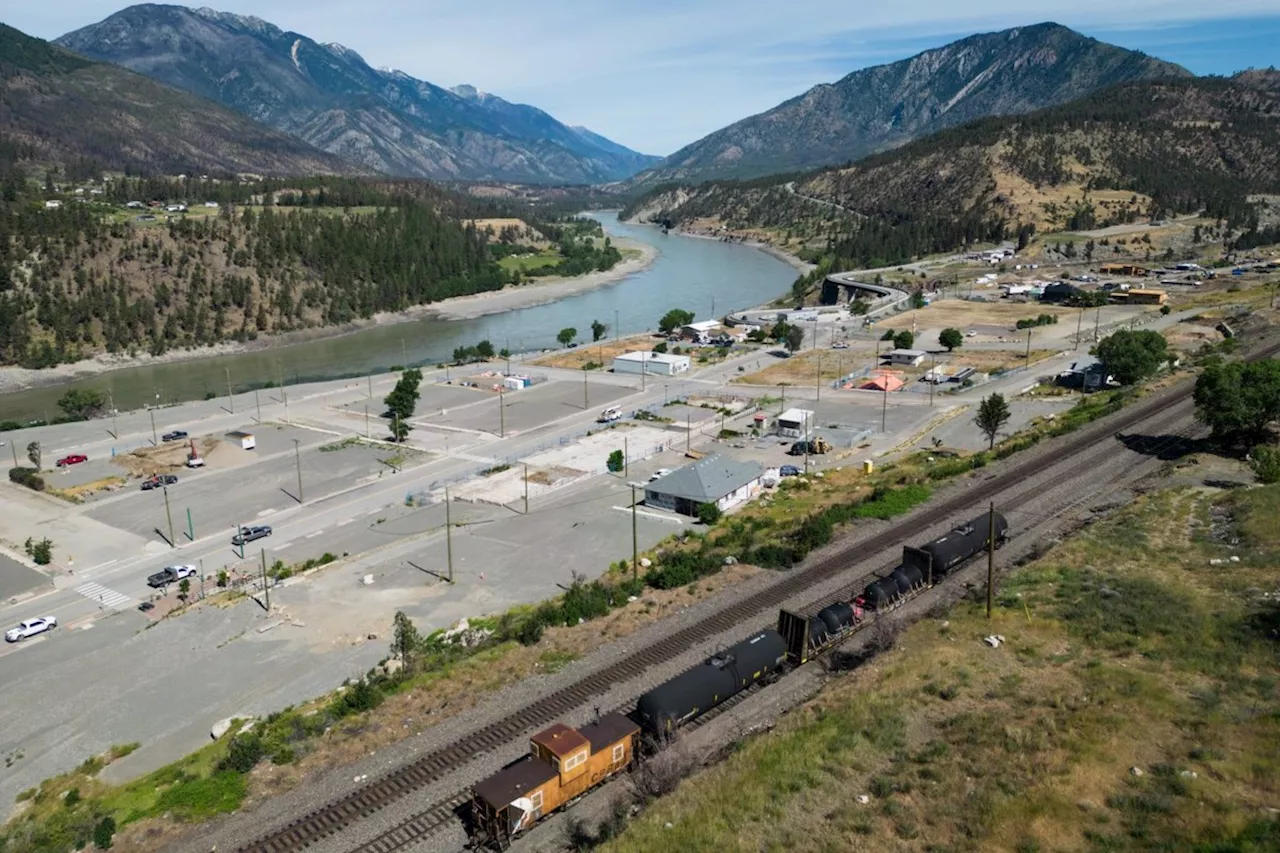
{"points": [[713, 479], [659, 363], [794, 423], [700, 329], [909, 357]]}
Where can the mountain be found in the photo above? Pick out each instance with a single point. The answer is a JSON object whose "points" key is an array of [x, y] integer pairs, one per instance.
{"points": [[68, 108], [1004, 73], [328, 96], [1136, 152]]}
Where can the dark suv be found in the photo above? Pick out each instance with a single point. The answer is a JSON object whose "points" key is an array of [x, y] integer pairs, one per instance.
{"points": [[249, 534], [174, 436]]}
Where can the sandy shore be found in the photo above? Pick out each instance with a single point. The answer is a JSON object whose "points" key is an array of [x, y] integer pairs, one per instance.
{"points": [[537, 292]]}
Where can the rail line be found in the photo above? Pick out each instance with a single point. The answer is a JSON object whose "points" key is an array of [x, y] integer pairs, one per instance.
{"points": [[428, 768]]}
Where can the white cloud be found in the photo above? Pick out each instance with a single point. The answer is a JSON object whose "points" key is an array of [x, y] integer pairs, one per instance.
{"points": [[659, 74]]}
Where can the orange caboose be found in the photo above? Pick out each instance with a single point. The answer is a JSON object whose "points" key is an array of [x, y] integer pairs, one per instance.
{"points": [[562, 765]]}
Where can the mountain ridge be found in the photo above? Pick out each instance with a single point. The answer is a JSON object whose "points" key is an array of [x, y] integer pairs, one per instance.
{"points": [[69, 108], [328, 96], [1011, 71]]}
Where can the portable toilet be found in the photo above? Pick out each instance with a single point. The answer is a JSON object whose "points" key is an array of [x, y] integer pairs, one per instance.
{"points": [[868, 466]]}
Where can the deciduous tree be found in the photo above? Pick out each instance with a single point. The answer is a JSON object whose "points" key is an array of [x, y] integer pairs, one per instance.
{"points": [[1132, 356], [904, 339], [566, 336], [598, 330], [993, 414], [674, 319], [950, 338], [795, 338], [1237, 400]]}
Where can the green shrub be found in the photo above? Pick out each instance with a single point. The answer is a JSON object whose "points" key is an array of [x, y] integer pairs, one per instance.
{"points": [[243, 753], [708, 513], [28, 477], [198, 798], [103, 832]]}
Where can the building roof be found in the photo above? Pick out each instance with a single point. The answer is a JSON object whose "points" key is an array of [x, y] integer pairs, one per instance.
{"points": [[559, 739], [883, 382], [608, 730], [702, 325], [515, 780], [906, 353], [708, 479], [645, 355], [796, 416]]}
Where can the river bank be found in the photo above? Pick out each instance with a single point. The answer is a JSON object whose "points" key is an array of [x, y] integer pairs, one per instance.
{"points": [[510, 298]]}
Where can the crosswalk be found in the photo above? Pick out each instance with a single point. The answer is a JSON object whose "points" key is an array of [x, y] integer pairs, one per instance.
{"points": [[105, 597]]}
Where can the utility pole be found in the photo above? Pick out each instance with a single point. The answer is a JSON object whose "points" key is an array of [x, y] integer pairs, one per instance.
{"points": [[169, 517], [991, 553], [806, 445], [819, 382], [783, 407], [366, 421], [507, 347], [884, 407], [286, 407], [1097, 320], [154, 439], [635, 541], [231, 402], [448, 533], [502, 416], [644, 369], [933, 370], [526, 488], [586, 402], [615, 325], [13, 448], [626, 458], [370, 380], [240, 533], [258, 404], [297, 455], [688, 431], [1028, 346], [1079, 323], [115, 428], [266, 588], [191, 528]]}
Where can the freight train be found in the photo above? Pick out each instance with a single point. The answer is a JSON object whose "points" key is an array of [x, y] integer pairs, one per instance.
{"points": [[564, 763]]}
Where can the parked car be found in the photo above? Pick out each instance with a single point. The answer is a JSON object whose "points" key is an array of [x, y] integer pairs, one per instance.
{"points": [[30, 628], [176, 435], [155, 481], [249, 534], [661, 472], [840, 345], [73, 459], [789, 471], [171, 574]]}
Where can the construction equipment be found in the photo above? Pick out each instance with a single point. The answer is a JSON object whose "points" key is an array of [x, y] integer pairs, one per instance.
{"points": [[193, 458], [815, 447]]}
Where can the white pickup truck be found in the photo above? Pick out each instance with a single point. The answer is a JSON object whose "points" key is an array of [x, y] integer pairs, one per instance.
{"points": [[30, 628], [610, 415]]}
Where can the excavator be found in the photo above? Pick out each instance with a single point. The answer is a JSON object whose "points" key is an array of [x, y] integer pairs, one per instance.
{"points": [[814, 447], [193, 458]]}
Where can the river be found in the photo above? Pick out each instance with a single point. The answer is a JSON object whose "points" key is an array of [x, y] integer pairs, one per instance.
{"points": [[702, 276]]}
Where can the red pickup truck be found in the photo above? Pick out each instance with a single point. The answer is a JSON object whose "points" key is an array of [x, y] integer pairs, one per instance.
{"points": [[73, 459]]}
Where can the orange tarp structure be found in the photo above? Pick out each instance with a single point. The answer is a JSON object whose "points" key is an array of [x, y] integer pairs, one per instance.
{"points": [[883, 382]]}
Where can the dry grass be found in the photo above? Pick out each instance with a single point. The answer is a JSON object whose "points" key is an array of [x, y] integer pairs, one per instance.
{"points": [[495, 225], [961, 314], [80, 492], [803, 368], [163, 459], [1124, 649], [602, 352]]}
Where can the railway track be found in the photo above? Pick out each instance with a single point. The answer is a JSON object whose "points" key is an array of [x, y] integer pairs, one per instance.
{"points": [[337, 815]]}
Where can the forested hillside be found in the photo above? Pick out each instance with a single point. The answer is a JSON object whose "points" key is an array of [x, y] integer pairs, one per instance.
{"points": [[90, 276], [1141, 150]]}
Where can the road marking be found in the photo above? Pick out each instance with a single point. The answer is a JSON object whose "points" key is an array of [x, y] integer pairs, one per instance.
{"points": [[313, 535], [102, 565], [283, 545], [265, 512], [105, 597], [347, 521]]}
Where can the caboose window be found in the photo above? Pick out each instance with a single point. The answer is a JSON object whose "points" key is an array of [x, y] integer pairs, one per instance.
{"points": [[619, 750]]}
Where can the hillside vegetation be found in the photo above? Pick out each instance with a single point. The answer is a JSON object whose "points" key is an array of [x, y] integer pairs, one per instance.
{"points": [[68, 109], [1144, 150], [1134, 707], [90, 276]]}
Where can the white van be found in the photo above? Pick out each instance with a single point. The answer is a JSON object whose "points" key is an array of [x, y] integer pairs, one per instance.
{"points": [[610, 415]]}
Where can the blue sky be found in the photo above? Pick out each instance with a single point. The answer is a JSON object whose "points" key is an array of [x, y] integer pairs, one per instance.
{"points": [[658, 74]]}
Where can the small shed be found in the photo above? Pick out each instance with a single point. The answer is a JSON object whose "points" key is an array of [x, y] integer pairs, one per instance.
{"points": [[793, 423], [244, 439], [1138, 296], [643, 361], [908, 357]]}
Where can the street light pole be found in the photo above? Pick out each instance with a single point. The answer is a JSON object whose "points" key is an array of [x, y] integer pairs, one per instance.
{"points": [[818, 385], [366, 421], [586, 402], [1079, 323], [526, 488], [297, 455], [154, 440], [1028, 359], [991, 553], [626, 458], [635, 541], [258, 404], [448, 533], [502, 416], [231, 402], [884, 407], [115, 428]]}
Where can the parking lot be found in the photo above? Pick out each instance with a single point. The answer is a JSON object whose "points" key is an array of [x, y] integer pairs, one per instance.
{"points": [[525, 409], [264, 481]]}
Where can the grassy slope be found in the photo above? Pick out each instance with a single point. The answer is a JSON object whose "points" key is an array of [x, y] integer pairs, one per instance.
{"points": [[1029, 747]]}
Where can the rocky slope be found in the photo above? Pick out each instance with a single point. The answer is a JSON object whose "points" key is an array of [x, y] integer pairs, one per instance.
{"points": [[64, 108], [1004, 73], [1140, 151], [328, 96]]}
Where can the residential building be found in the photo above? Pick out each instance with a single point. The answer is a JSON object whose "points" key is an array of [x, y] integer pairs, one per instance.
{"points": [[713, 479], [1147, 297], [699, 330], [642, 361]]}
